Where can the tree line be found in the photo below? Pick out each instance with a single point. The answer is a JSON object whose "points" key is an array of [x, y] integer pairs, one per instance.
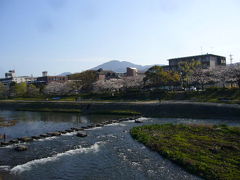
{"points": [[188, 74]]}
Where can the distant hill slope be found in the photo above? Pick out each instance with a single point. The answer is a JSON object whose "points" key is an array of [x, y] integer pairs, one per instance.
{"points": [[120, 66], [65, 74]]}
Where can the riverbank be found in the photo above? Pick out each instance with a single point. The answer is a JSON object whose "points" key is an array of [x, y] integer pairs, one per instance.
{"points": [[175, 109], [209, 151], [213, 95]]}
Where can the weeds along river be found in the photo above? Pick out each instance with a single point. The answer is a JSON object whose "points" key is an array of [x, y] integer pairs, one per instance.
{"points": [[107, 152]]}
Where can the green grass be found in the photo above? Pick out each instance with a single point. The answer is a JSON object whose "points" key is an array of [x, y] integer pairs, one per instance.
{"points": [[212, 152], [216, 95], [28, 99]]}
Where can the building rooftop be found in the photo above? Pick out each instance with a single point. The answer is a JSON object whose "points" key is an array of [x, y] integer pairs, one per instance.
{"points": [[197, 56]]}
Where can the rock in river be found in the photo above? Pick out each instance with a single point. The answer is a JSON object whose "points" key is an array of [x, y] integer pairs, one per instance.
{"points": [[20, 148], [4, 143], [138, 121], [54, 133], [81, 134], [25, 139]]}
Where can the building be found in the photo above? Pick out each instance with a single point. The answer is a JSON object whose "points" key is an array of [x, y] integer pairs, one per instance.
{"points": [[207, 61], [45, 79], [11, 77], [10, 74], [106, 74], [131, 71]]}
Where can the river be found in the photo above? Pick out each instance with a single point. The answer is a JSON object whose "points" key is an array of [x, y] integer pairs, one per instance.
{"points": [[107, 152]]}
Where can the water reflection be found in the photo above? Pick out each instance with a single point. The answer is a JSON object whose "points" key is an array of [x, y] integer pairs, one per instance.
{"points": [[35, 123]]}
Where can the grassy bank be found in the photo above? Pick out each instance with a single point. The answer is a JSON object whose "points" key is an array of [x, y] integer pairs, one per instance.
{"points": [[212, 152], [216, 95]]}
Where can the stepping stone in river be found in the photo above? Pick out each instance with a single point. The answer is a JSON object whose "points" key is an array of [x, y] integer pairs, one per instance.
{"points": [[63, 132], [69, 130], [74, 129], [90, 126], [13, 141], [54, 133], [5, 143], [36, 137], [44, 135], [20, 148], [138, 121], [99, 125], [81, 134], [25, 139]]}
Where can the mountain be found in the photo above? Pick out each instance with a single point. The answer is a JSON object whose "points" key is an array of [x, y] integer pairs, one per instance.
{"points": [[120, 66], [65, 74]]}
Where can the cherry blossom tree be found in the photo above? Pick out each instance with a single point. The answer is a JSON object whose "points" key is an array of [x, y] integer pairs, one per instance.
{"points": [[59, 89], [133, 82], [234, 74], [202, 77], [111, 85]]}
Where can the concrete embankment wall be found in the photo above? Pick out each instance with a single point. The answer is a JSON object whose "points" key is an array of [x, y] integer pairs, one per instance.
{"points": [[164, 109]]}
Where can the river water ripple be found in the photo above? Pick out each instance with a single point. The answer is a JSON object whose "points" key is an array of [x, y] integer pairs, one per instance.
{"points": [[107, 152]]}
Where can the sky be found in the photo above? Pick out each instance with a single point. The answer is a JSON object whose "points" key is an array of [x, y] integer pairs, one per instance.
{"points": [[74, 35]]}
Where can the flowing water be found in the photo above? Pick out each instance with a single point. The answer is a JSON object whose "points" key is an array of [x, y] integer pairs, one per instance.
{"points": [[107, 152]]}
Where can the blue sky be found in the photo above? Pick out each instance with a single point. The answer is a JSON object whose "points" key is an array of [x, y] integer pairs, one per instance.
{"points": [[74, 35]]}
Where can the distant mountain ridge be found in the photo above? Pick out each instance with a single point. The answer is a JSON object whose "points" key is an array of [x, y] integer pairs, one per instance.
{"points": [[65, 74], [120, 66]]}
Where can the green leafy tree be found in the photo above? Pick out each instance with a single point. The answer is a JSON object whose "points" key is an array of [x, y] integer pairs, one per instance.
{"points": [[32, 91], [156, 76], [87, 78], [21, 89], [12, 89], [3, 91], [187, 70], [173, 78]]}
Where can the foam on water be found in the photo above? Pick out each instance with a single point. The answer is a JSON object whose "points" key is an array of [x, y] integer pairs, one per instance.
{"points": [[29, 165], [4, 168], [48, 138], [8, 146], [113, 124], [93, 128], [70, 134], [13, 145], [143, 118], [130, 121]]}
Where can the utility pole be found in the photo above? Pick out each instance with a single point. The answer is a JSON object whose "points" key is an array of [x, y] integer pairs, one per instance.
{"points": [[231, 58]]}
